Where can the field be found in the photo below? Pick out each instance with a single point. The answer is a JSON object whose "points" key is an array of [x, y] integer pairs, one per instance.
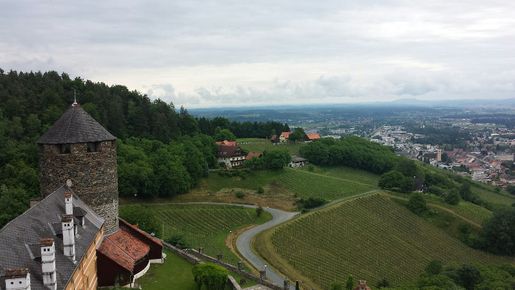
{"points": [[369, 237], [490, 196], [258, 144], [341, 182], [205, 226]]}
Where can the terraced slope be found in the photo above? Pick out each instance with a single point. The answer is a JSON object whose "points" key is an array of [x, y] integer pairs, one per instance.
{"points": [[369, 237]]}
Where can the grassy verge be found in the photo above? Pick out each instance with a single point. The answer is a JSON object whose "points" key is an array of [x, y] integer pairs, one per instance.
{"points": [[260, 145]]}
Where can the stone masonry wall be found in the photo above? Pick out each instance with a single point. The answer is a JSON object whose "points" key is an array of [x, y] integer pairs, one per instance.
{"points": [[94, 176]]}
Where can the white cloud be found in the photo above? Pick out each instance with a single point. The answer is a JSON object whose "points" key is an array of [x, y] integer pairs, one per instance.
{"points": [[217, 53]]}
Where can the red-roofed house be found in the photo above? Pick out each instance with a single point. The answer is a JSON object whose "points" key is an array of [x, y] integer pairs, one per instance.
{"points": [[227, 143], [284, 137], [313, 136]]}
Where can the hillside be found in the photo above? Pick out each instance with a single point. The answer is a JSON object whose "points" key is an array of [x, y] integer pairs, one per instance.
{"points": [[369, 237]]}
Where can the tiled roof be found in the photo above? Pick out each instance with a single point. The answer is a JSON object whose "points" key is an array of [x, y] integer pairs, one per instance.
{"points": [[124, 249], [75, 126], [313, 136], [227, 143], [20, 239], [253, 154], [225, 151], [285, 134]]}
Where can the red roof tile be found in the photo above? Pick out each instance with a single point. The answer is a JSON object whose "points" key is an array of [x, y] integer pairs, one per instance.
{"points": [[313, 136], [285, 135], [124, 249], [253, 154]]}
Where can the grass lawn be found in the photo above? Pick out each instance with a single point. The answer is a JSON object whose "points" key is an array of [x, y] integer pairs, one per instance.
{"points": [[502, 199], [368, 237], [205, 226], [174, 274], [258, 144], [336, 183]]}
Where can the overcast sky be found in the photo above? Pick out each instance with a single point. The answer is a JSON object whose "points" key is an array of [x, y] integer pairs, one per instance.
{"points": [[231, 53]]}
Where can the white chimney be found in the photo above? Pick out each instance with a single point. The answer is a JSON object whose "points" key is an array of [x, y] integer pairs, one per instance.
{"points": [[68, 236], [68, 202], [17, 279], [48, 263]]}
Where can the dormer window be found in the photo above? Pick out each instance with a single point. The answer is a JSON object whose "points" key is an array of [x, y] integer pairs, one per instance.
{"points": [[65, 149], [93, 146]]}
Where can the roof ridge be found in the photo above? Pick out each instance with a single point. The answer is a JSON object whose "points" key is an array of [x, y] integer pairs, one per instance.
{"points": [[29, 209]]}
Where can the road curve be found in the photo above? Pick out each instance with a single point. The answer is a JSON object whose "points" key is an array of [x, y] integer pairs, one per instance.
{"points": [[244, 240], [244, 243]]}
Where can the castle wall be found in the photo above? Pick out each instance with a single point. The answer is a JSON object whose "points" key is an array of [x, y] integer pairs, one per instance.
{"points": [[94, 176]]}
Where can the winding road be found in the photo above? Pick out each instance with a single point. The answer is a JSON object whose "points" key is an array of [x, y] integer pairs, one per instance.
{"points": [[244, 243], [244, 240]]}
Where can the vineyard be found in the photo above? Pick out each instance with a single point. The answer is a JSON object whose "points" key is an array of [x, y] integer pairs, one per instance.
{"points": [[303, 183], [369, 237], [205, 226]]}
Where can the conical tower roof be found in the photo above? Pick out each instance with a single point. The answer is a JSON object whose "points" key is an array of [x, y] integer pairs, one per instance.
{"points": [[75, 126]]}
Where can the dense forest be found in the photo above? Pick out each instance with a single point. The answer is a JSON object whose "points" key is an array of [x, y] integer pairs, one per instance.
{"points": [[155, 138]]}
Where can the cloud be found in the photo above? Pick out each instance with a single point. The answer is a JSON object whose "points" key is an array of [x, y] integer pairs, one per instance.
{"points": [[213, 53]]}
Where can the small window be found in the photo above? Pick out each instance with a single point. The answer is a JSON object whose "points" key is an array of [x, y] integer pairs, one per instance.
{"points": [[93, 146], [65, 149]]}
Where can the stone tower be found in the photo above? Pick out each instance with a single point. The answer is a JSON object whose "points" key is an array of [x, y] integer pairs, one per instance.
{"points": [[78, 148]]}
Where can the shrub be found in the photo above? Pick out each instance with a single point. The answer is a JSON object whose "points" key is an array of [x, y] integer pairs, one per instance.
{"points": [[417, 204], [434, 267], [311, 202], [498, 233], [259, 211], [177, 240], [210, 276], [239, 194], [260, 190], [383, 283], [452, 198]]}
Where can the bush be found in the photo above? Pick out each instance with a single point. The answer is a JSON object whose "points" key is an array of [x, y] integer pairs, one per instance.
{"points": [[311, 202], [239, 194], [383, 283], [417, 204], [260, 190], [452, 198], [394, 180], [178, 240], [259, 211], [434, 267], [209, 276], [498, 233]]}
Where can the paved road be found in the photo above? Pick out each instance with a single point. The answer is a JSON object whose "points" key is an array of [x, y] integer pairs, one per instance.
{"points": [[244, 241]]}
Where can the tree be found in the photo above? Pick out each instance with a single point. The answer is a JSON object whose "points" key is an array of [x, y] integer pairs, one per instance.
{"points": [[259, 211], [145, 219], [224, 134], [498, 233], [394, 180], [452, 198], [298, 134], [349, 285], [209, 276], [468, 276], [434, 267], [417, 203], [276, 159]]}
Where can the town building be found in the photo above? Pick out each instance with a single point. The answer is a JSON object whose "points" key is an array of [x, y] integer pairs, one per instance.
{"points": [[72, 238], [297, 162], [283, 138]]}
